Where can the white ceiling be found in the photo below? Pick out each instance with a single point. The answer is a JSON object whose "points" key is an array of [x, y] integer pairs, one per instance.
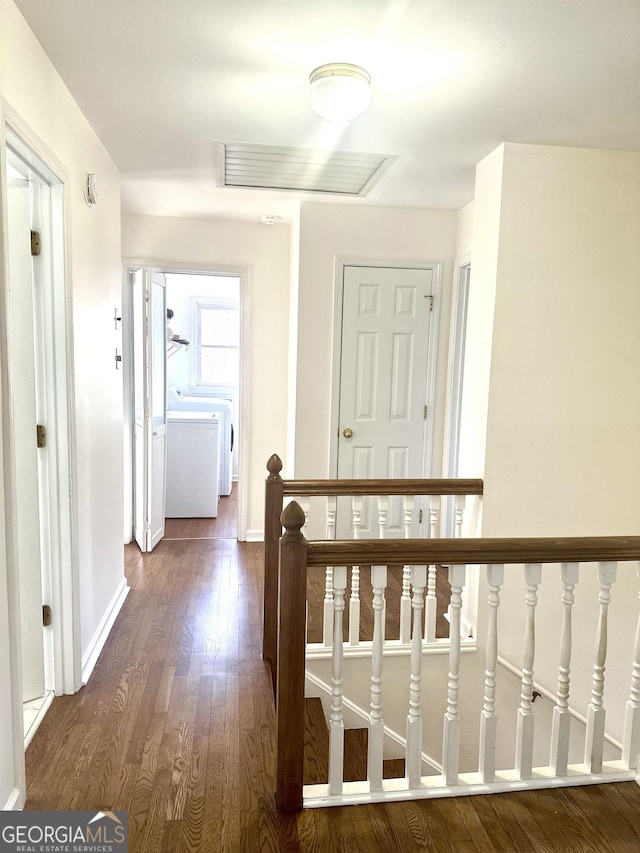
{"points": [[162, 81]]}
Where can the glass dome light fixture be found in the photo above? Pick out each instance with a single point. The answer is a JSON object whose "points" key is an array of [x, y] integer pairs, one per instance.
{"points": [[339, 91]]}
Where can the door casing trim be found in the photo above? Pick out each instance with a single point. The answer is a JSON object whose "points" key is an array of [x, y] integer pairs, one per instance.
{"points": [[177, 267]]}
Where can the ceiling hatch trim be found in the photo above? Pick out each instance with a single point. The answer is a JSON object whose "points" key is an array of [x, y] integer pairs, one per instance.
{"points": [[274, 167]]}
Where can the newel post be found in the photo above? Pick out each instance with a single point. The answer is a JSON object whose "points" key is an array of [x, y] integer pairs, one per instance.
{"points": [[291, 660], [272, 530]]}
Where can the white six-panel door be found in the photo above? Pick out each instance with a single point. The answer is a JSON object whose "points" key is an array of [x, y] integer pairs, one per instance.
{"points": [[386, 318]]}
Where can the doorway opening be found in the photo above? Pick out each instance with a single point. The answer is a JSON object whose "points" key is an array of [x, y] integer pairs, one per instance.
{"points": [[203, 379], [184, 470], [39, 445]]}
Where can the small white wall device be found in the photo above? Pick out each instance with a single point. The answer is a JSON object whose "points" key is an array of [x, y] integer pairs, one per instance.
{"points": [[90, 189]]}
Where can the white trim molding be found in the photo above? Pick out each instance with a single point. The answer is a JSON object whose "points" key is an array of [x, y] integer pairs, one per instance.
{"points": [[98, 640], [15, 801], [254, 535]]}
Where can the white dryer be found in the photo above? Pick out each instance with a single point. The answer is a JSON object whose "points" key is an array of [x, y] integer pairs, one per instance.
{"points": [[193, 465]]}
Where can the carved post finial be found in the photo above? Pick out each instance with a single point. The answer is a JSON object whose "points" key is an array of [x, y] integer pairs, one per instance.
{"points": [[274, 466], [293, 519]]}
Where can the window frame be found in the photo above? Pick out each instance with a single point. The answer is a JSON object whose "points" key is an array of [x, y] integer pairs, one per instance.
{"points": [[200, 304]]}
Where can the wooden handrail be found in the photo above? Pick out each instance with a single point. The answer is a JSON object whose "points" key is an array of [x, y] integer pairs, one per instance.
{"points": [[276, 489], [313, 488], [472, 551]]}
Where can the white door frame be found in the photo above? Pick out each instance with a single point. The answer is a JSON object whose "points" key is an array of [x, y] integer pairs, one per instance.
{"points": [[455, 368], [178, 267], [340, 264], [64, 638]]}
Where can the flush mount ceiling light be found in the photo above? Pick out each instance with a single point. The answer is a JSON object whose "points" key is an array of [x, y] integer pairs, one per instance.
{"points": [[339, 91]]}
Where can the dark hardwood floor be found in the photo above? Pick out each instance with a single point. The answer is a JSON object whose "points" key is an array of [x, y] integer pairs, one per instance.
{"points": [[177, 727]]}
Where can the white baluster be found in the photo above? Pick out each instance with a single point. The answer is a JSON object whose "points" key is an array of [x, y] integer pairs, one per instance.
{"points": [[414, 717], [631, 738], [459, 504], [488, 717], [305, 504], [376, 722], [561, 727], [594, 739], [336, 721], [383, 515], [431, 606], [451, 735], [327, 622], [332, 503], [405, 601], [354, 600], [524, 736], [435, 502]]}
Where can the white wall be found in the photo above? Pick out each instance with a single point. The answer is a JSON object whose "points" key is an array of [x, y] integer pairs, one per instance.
{"points": [[264, 251], [464, 230], [329, 232], [556, 243], [32, 90]]}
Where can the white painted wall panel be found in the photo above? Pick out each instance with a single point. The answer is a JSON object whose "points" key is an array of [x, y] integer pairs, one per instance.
{"points": [[561, 388], [33, 90]]}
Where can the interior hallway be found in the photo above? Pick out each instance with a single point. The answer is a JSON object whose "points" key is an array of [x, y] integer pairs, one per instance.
{"points": [[177, 727]]}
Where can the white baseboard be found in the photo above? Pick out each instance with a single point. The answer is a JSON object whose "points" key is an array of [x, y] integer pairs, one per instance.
{"points": [[256, 535], [98, 640], [14, 803]]}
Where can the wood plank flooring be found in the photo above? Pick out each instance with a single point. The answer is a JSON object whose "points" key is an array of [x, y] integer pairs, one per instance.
{"points": [[177, 727], [393, 592], [224, 526]]}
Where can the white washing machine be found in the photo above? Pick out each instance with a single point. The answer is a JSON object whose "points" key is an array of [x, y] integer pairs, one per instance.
{"points": [[193, 465], [178, 401]]}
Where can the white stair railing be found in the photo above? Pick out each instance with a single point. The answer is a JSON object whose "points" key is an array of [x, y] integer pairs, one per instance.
{"points": [[429, 618], [569, 556]]}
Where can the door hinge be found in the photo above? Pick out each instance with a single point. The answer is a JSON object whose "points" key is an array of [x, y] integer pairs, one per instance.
{"points": [[425, 411], [41, 436], [35, 243], [46, 615], [420, 514], [430, 298]]}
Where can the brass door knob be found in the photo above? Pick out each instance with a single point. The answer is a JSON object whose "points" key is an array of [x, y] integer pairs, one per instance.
{"points": [[347, 433]]}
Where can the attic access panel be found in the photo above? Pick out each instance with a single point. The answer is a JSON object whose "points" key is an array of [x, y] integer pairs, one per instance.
{"points": [[272, 167]]}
